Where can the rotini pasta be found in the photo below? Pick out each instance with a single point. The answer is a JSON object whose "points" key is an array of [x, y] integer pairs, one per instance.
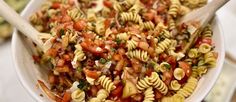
{"points": [[78, 96], [122, 36], [179, 73], [131, 44], [149, 95], [106, 83], [158, 83], [143, 84], [139, 54], [101, 96], [162, 46], [174, 8], [79, 56], [193, 53], [204, 48], [188, 88], [174, 85], [148, 25], [75, 14], [129, 16]]}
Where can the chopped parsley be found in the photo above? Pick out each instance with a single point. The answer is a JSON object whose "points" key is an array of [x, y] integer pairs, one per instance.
{"points": [[113, 49], [62, 32], [83, 85], [168, 66], [118, 41], [102, 60]]}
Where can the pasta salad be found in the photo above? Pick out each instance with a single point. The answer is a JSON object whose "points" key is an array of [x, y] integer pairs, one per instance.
{"points": [[122, 50]]}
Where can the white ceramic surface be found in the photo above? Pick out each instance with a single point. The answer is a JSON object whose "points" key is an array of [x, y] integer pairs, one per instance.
{"points": [[29, 73]]}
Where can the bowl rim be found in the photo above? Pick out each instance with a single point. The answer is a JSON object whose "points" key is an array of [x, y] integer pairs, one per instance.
{"points": [[38, 98]]}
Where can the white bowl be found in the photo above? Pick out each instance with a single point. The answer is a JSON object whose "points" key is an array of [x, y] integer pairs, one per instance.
{"points": [[29, 73]]}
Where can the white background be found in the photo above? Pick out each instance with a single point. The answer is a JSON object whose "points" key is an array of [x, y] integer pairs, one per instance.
{"points": [[11, 89]]}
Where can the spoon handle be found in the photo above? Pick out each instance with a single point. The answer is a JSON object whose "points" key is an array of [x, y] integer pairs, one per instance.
{"points": [[22, 25]]}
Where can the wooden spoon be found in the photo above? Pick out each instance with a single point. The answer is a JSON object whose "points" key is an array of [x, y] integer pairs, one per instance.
{"points": [[202, 16], [21, 24]]}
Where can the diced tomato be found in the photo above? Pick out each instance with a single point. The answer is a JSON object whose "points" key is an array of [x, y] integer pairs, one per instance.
{"points": [[94, 90], [143, 45], [149, 16], [162, 57], [207, 40], [63, 69], [80, 25], [116, 57], [149, 71], [186, 67], [123, 100], [137, 98], [66, 18], [52, 52], [60, 62], [66, 97], [167, 76], [36, 58], [172, 61], [107, 23], [158, 95], [90, 73], [93, 49], [52, 79], [56, 5], [66, 57], [118, 91], [107, 3]]}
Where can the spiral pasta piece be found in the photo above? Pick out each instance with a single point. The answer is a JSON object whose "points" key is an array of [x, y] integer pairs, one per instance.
{"points": [[143, 84], [75, 14], [174, 8], [79, 56], [148, 25], [199, 71], [131, 44], [106, 83], [174, 85], [207, 32], [129, 3], [166, 34], [188, 88], [139, 54], [171, 24], [122, 36], [158, 83], [129, 16], [162, 46], [101, 96], [35, 19], [78, 96], [117, 6], [204, 48], [193, 53], [136, 8], [179, 73], [210, 59], [149, 95]]}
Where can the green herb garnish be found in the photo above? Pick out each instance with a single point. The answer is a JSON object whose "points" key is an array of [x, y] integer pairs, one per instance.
{"points": [[168, 66], [83, 85], [118, 41], [102, 60], [62, 32]]}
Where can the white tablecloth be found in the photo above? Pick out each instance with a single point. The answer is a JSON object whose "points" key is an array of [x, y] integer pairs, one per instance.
{"points": [[12, 91]]}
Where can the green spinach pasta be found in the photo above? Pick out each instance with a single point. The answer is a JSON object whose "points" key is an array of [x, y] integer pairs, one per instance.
{"points": [[122, 50]]}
